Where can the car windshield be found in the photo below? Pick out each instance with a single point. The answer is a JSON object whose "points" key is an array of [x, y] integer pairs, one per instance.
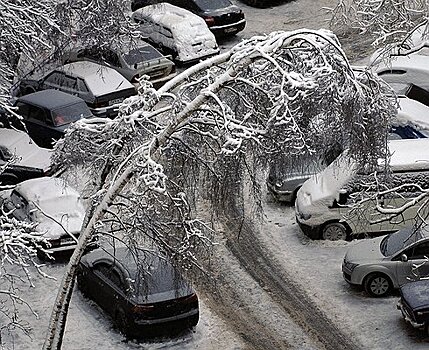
{"points": [[141, 54], [212, 4], [70, 114], [393, 243], [405, 132]]}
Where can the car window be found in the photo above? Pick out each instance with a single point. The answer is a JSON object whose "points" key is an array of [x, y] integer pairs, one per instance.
{"points": [[393, 243], [69, 82], [111, 57], [108, 272], [419, 94], [419, 251], [55, 78], [69, 114], [81, 85], [211, 4], [21, 211], [5, 154], [141, 54], [37, 113], [23, 109]]}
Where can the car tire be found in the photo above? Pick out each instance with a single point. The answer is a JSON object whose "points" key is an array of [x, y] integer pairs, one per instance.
{"points": [[377, 285], [121, 322], [334, 231]]}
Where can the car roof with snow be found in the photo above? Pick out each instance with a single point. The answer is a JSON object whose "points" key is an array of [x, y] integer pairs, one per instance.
{"points": [[21, 145], [412, 154], [168, 13], [412, 62], [50, 99], [101, 80]]}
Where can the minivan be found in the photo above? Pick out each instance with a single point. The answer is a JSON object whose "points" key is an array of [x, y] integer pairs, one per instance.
{"points": [[324, 204], [176, 31]]}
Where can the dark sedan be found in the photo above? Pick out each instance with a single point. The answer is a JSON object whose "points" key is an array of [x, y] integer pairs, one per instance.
{"points": [[414, 303], [221, 16], [142, 292], [47, 114]]}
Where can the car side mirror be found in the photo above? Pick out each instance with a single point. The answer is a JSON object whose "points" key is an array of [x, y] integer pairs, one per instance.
{"points": [[404, 258]]}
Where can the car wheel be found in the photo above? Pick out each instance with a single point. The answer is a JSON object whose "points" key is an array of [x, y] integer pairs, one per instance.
{"points": [[121, 322], [377, 285], [334, 231]]}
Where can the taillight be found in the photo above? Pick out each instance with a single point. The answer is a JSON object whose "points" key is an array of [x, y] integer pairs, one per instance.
{"points": [[190, 299], [141, 309], [209, 21]]}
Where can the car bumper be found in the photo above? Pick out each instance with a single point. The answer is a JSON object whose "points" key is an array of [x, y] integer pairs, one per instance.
{"points": [[169, 325], [312, 232], [407, 316], [229, 29], [348, 276], [281, 196]]}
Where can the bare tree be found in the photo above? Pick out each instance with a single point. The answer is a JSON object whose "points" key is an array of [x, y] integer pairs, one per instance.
{"points": [[209, 131]]}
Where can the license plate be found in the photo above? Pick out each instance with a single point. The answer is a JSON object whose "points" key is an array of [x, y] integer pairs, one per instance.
{"points": [[229, 30], [115, 101]]}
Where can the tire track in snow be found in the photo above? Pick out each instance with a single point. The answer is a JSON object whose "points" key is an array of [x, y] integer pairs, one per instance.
{"points": [[292, 298]]}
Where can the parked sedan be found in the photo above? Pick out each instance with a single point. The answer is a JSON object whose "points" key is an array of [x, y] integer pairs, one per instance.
{"points": [[20, 158], [221, 16], [414, 303], [131, 59], [54, 205], [141, 291], [47, 114], [102, 88], [387, 262]]}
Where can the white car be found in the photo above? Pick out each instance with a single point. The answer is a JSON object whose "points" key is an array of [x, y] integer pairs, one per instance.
{"points": [[55, 206], [176, 31], [20, 158], [387, 262]]}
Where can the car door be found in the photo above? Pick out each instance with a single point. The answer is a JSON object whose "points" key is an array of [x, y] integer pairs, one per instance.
{"points": [[35, 122], [417, 264], [109, 287]]}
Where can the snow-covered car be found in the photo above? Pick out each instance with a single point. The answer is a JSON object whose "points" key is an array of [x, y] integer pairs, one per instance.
{"points": [[414, 303], [286, 177], [20, 158], [54, 205], [47, 114], [141, 291], [102, 88], [176, 31], [407, 75], [132, 59], [387, 262], [222, 17], [324, 201]]}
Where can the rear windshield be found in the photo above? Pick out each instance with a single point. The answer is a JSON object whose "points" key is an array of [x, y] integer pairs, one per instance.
{"points": [[141, 54], [212, 4], [70, 114]]}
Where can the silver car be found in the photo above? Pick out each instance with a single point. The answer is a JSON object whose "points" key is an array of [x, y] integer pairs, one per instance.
{"points": [[387, 262]]}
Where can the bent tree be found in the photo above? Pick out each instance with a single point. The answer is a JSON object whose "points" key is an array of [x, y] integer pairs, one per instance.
{"points": [[208, 134]]}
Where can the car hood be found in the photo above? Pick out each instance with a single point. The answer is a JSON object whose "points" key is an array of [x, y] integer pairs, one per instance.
{"points": [[365, 250], [53, 229], [416, 294]]}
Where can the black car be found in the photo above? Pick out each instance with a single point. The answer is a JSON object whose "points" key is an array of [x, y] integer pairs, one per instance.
{"points": [[47, 114], [20, 158], [141, 291], [221, 16], [414, 303]]}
